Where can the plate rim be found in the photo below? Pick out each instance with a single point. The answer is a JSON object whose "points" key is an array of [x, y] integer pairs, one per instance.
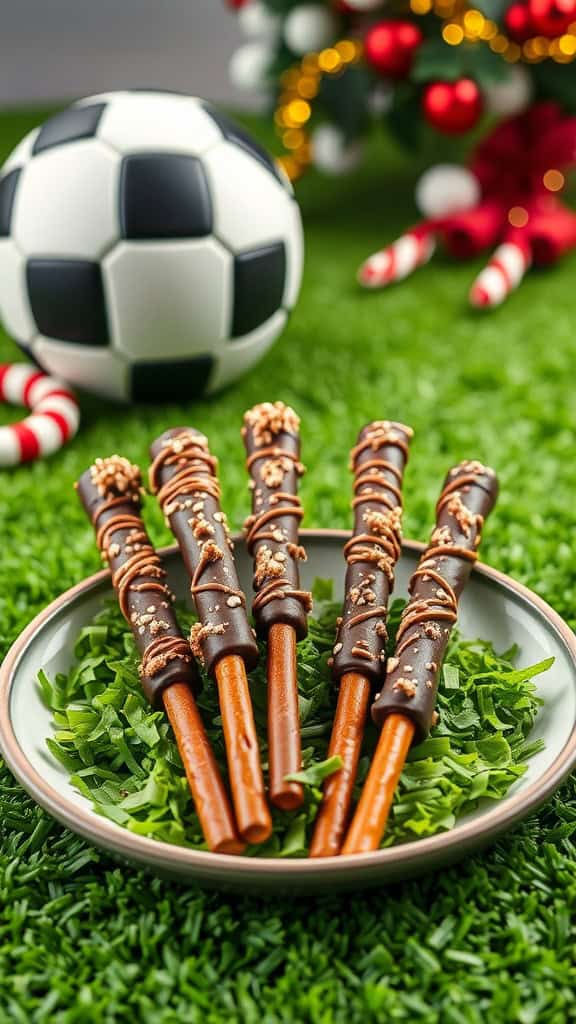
{"points": [[202, 863]]}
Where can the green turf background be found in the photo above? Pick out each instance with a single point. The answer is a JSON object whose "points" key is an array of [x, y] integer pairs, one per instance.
{"points": [[492, 939]]}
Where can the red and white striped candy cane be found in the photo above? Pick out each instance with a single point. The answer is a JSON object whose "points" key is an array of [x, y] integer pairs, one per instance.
{"points": [[54, 418], [398, 260], [502, 275]]}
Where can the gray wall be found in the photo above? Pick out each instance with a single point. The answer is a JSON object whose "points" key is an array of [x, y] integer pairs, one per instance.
{"points": [[53, 50]]}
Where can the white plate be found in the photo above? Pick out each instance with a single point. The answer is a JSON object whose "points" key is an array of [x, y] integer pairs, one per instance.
{"points": [[493, 607]]}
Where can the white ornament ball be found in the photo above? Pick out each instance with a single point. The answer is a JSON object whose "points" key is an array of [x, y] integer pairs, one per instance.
{"points": [[249, 66], [446, 189], [511, 96], [380, 99], [257, 21], [309, 27], [364, 5], [331, 154], [169, 255]]}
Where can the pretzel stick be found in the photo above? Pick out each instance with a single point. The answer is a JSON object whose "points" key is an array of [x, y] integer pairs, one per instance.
{"points": [[184, 477], [405, 706], [284, 745], [271, 436], [378, 461], [110, 493]]}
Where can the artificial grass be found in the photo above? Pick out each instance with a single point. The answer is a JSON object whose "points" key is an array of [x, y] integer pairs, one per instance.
{"points": [[491, 939]]}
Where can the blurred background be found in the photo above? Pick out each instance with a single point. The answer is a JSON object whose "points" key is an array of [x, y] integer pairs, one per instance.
{"points": [[63, 49]]}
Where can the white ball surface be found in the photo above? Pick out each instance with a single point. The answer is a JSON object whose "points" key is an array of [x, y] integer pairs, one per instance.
{"points": [[331, 154], [512, 95], [257, 21], [446, 189], [149, 248], [309, 27], [249, 66], [90, 174]]}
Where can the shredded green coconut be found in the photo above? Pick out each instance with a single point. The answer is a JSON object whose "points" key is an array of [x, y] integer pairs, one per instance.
{"points": [[121, 755]]}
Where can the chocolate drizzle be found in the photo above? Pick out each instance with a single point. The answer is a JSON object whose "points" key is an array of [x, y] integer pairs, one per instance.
{"points": [[378, 462], [111, 494], [271, 437], [183, 475], [468, 495]]}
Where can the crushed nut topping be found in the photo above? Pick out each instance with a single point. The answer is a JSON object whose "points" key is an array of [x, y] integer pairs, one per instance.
{"points": [[211, 552], [472, 466], [274, 470], [442, 536], [407, 686], [115, 475], [268, 419], [383, 523], [199, 633], [268, 565], [201, 528], [462, 514]]}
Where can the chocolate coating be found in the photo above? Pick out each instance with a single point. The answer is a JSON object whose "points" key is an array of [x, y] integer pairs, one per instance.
{"points": [[272, 441], [378, 462], [110, 493], [184, 477], [468, 496]]}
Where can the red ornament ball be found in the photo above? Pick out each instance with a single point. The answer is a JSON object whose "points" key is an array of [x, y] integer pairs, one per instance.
{"points": [[235, 5], [390, 47], [518, 23], [551, 17], [452, 107]]}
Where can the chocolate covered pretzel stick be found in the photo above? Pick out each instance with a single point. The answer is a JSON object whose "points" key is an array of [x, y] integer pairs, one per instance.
{"points": [[280, 607], [183, 475], [110, 493], [405, 706], [378, 462]]}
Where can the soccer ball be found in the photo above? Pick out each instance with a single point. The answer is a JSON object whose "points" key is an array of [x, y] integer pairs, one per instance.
{"points": [[149, 248]]}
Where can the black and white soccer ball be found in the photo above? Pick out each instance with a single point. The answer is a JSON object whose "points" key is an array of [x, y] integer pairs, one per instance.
{"points": [[149, 248]]}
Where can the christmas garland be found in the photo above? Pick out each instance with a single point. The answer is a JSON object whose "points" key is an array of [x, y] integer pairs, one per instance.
{"points": [[441, 63]]}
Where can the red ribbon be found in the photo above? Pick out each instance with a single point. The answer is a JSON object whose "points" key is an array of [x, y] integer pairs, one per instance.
{"points": [[511, 165]]}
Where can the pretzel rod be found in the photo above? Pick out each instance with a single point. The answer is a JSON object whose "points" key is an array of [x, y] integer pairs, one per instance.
{"points": [[284, 744], [378, 461], [271, 437], [183, 475], [405, 706], [346, 742], [110, 493]]}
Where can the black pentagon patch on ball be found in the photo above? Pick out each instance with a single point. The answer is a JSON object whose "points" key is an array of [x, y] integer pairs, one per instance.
{"points": [[164, 195], [7, 195], [259, 278], [233, 133], [67, 300], [68, 126], [172, 381]]}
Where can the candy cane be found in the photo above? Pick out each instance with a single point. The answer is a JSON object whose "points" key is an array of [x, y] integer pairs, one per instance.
{"points": [[501, 276], [54, 420], [398, 260]]}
